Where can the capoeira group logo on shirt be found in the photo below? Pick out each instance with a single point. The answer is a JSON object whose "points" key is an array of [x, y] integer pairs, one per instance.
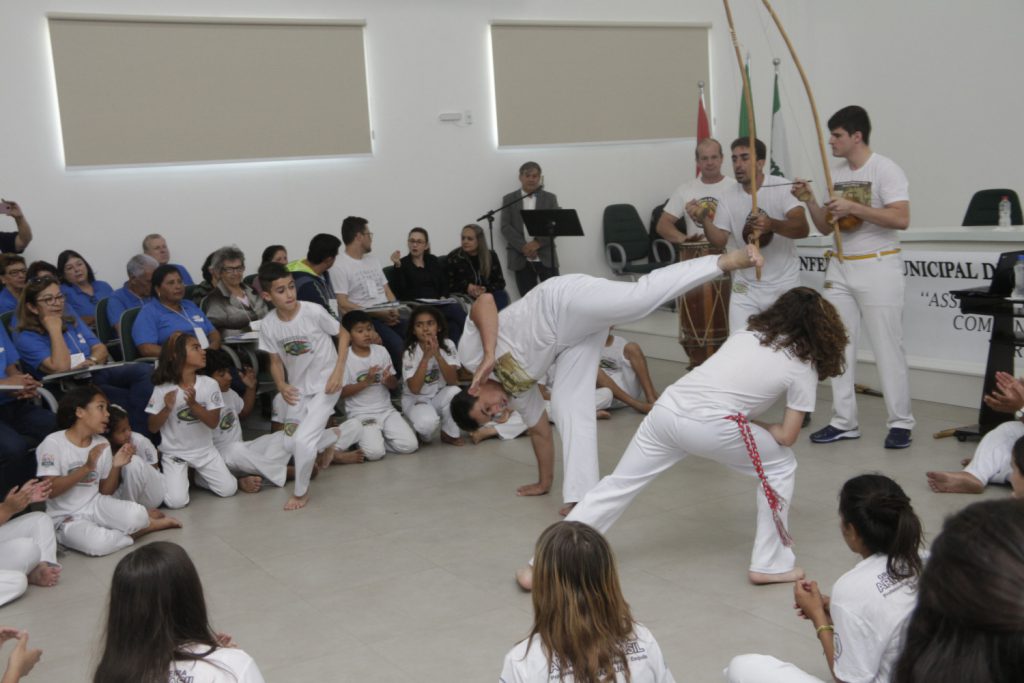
{"points": [[185, 415], [707, 207], [46, 460], [361, 377], [180, 676], [607, 364], [297, 346], [432, 375], [227, 421], [290, 427], [856, 191], [513, 378]]}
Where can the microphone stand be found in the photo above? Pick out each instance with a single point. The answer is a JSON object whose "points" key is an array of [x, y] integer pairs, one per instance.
{"points": [[490, 214]]}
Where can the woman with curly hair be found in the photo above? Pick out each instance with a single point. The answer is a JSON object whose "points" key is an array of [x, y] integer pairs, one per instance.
{"points": [[709, 413]]}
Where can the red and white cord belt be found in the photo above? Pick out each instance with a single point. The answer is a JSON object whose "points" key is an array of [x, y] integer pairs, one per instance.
{"points": [[775, 501]]}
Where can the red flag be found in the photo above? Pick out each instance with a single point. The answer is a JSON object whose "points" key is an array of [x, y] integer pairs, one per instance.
{"points": [[703, 127]]}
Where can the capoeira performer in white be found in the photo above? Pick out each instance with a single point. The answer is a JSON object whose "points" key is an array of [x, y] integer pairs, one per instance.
{"points": [[785, 350], [28, 546], [781, 220], [564, 318]]}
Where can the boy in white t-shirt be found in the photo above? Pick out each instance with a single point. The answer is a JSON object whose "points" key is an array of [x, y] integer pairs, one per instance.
{"points": [[369, 379], [625, 365], [297, 336]]}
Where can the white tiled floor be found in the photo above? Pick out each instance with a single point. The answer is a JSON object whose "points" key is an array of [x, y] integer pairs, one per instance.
{"points": [[401, 570]]}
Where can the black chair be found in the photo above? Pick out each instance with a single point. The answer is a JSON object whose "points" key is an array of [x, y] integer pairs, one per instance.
{"points": [[626, 240], [983, 208], [6, 318], [128, 348], [106, 332], [249, 279]]}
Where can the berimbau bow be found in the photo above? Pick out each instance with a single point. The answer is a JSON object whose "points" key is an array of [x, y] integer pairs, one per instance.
{"points": [[814, 111], [755, 235]]}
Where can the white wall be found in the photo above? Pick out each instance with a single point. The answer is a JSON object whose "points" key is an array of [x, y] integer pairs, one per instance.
{"points": [[937, 82]]}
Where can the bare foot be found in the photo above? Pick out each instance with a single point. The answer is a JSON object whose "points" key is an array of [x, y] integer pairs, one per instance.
{"points": [[476, 436], [954, 482], [603, 415], [155, 514], [324, 458], [524, 577], [250, 484], [532, 490], [966, 461], [452, 440], [296, 502], [44, 574], [353, 457], [762, 579], [566, 509], [160, 524]]}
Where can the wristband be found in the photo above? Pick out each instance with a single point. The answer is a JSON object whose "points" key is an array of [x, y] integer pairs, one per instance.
{"points": [[824, 627]]}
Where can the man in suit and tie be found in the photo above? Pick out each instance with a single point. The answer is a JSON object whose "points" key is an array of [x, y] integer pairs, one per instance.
{"points": [[533, 260]]}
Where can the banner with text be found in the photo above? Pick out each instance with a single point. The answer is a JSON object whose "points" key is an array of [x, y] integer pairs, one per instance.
{"points": [[936, 334]]}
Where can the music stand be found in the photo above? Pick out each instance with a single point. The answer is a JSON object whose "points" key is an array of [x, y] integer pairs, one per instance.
{"points": [[552, 223]]}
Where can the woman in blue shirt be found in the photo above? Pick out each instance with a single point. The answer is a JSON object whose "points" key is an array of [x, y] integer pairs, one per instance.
{"points": [[81, 288], [49, 342], [171, 312]]}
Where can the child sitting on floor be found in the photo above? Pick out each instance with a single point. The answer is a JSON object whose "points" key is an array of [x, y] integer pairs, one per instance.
{"points": [[430, 376], [142, 481]]}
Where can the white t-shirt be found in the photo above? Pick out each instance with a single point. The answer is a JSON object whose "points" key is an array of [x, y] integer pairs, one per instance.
{"points": [[228, 429], [877, 183], [869, 611], [781, 263], [58, 457], [374, 399], [223, 665], [743, 377], [304, 345], [144, 449], [706, 194], [646, 663], [362, 280], [183, 432], [433, 381], [618, 368]]}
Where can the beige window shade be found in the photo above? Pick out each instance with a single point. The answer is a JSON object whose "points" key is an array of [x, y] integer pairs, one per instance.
{"points": [[141, 92], [558, 84]]}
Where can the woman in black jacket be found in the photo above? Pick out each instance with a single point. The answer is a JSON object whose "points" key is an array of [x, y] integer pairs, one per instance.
{"points": [[420, 276], [474, 269]]}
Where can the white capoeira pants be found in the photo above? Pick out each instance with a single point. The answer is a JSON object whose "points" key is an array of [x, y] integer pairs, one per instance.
{"points": [[268, 455], [603, 400], [754, 300], [991, 463], [142, 484], [211, 474], [583, 320], [427, 414], [103, 526], [387, 431], [25, 541], [662, 440], [511, 428], [765, 669], [311, 414], [870, 292]]}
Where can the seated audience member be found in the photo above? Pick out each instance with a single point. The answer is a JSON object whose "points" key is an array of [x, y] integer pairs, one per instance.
{"points": [[625, 365], [156, 591], [232, 305], [23, 424], [13, 273], [82, 291], [156, 246], [275, 253], [870, 604], [369, 378], [15, 241], [474, 268], [142, 481], [28, 546], [137, 290], [196, 293], [992, 457], [969, 621], [430, 378], [312, 279], [419, 275], [359, 283], [50, 341], [41, 268], [77, 462], [170, 312]]}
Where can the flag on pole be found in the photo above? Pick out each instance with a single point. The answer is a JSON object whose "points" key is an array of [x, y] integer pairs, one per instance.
{"points": [[779, 159], [703, 127], [744, 122]]}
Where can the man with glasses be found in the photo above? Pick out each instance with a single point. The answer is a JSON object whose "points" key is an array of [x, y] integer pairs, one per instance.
{"points": [[359, 282], [15, 241], [137, 290], [13, 273]]}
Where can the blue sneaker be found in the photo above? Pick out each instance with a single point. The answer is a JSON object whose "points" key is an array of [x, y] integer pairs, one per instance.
{"points": [[831, 434], [898, 438]]}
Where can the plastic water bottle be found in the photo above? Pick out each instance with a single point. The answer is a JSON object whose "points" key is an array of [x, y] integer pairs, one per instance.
{"points": [[1004, 212], [1018, 278]]}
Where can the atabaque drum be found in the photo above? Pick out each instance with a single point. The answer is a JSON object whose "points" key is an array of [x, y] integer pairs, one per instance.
{"points": [[704, 310]]}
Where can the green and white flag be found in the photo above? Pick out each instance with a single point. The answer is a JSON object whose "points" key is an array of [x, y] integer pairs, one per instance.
{"points": [[779, 156]]}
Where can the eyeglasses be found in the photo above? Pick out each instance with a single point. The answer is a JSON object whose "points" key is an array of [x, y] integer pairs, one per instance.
{"points": [[51, 300], [11, 272], [233, 269]]}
